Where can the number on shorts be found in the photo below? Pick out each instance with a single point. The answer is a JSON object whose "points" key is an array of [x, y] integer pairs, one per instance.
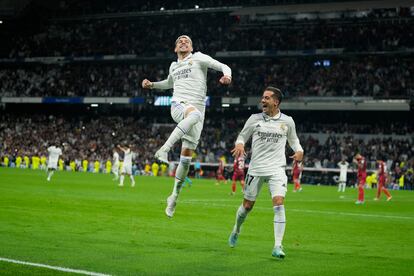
{"points": [[249, 179]]}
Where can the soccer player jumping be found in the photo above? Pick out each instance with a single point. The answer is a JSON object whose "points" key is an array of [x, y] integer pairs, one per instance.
{"points": [[188, 78], [269, 132]]}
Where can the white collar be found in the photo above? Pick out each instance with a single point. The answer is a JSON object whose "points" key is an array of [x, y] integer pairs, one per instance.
{"points": [[187, 57]]}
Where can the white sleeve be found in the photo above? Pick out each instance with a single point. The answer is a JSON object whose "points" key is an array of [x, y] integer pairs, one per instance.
{"points": [[246, 132], [168, 83], [292, 138], [215, 64]]}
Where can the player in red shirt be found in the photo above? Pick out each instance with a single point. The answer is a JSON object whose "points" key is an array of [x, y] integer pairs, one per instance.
{"points": [[297, 175], [238, 173], [220, 172], [362, 175], [382, 177]]}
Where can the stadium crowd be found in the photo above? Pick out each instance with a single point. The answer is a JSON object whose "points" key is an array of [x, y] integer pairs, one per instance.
{"points": [[223, 33], [368, 76], [93, 139]]}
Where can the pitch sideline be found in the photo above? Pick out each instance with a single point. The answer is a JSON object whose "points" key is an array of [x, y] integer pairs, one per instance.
{"points": [[64, 269], [209, 203]]}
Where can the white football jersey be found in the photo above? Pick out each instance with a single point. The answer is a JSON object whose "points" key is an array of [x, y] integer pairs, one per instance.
{"points": [[54, 153], [128, 154], [115, 158], [343, 170], [188, 78], [269, 136]]}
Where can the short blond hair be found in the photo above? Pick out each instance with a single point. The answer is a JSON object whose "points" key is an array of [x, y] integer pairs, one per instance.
{"points": [[186, 36]]}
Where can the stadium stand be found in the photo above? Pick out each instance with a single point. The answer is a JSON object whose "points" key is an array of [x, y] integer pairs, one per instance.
{"points": [[103, 49]]}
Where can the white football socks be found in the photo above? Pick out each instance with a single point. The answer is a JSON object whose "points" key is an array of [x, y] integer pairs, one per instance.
{"points": [[181, 173], [49, 175], [279, 224], [240, 218]]}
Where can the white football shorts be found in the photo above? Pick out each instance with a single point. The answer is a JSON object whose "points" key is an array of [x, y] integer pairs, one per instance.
{"points": [[277, 185], [126, 169], [191, 139]]}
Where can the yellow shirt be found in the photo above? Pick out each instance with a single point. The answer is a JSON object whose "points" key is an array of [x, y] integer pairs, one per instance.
{"points": [[85, 165], [61, 164], [155, 167], [6, 161], [96, 166], [108, 166], [35, 162], [147, 168], [72, 165], [26, 161], [164, 168], [18, 161]]}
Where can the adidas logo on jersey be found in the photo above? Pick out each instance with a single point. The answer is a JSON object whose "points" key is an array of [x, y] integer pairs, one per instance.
{"points": [[258, 125]]}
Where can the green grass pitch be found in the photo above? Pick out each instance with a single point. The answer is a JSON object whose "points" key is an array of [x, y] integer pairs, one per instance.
{"points": [[84, 221]]}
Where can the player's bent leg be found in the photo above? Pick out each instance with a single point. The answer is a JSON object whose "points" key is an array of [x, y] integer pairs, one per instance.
{"points": [[193, 116], [241, 215]]}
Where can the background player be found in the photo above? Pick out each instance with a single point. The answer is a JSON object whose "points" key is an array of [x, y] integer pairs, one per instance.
{"points": [[127, 165], [115, 165], [54, 153], [238, 173], [220, 171], [297, 169], [382, 178], [188, 78], [343, 167], [269, 131], [362, 175]]}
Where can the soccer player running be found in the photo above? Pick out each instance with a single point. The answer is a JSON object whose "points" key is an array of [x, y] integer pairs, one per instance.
{"points": [[269, 131], [382, 177], [362, 175], [54, 153], [297, 175], [127, 166], [343, 170], [188, 78], [238, 173]]}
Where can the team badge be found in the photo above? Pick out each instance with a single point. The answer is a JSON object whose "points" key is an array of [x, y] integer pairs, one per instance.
{"points": [[283, 127], [190, 62]]}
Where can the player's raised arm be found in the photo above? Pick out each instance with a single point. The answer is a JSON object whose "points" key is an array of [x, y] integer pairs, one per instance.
{"points": [[121, 148], [146, 84], [218, 66]]}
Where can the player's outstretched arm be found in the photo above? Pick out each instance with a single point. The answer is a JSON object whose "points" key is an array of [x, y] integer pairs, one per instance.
{"points": [[146, 84], [225, 80]]}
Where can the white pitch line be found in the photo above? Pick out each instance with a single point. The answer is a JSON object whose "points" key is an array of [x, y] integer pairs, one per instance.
{"points": [[64, 269], [301, 210]]}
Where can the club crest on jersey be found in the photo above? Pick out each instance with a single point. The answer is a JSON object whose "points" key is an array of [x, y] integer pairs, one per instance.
{"points": [[190, 62], [283, 127]]}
